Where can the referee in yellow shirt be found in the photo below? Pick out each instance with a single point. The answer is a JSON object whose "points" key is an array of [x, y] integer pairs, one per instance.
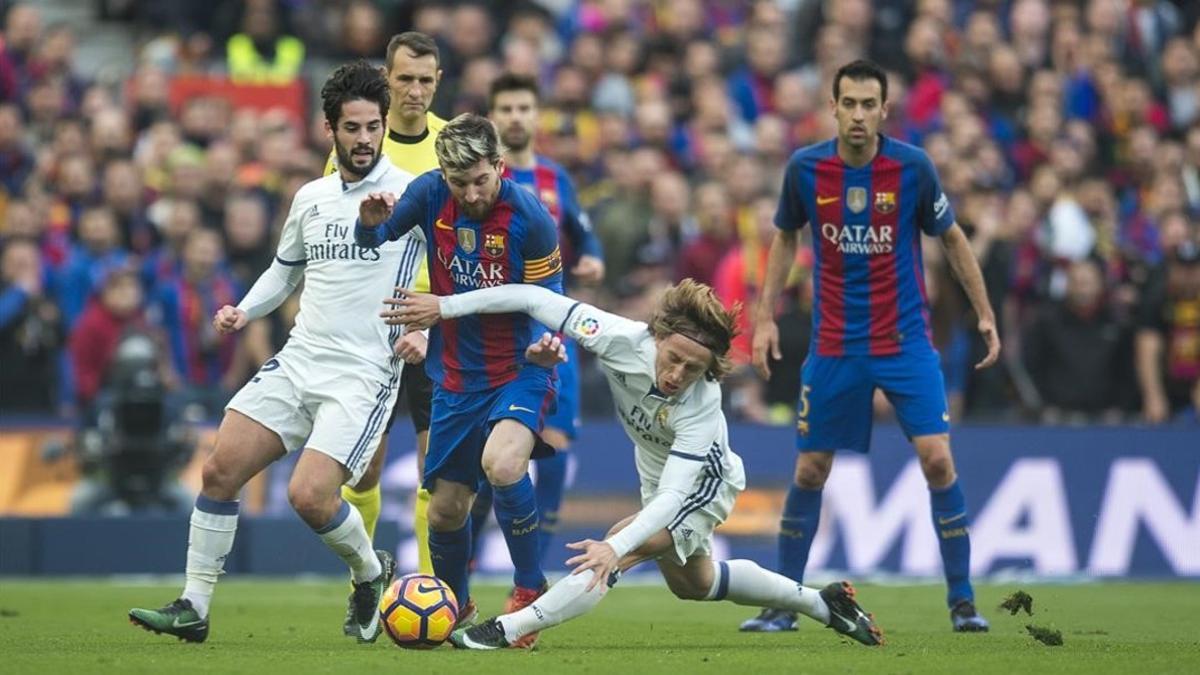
{"points": [[413, 74]]}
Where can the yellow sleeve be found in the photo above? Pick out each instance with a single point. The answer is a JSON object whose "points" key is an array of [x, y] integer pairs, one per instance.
{"points": [[330, 164]]}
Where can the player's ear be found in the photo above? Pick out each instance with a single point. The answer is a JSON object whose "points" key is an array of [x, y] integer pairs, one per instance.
{"points": [[328, 129], [883, 110]]}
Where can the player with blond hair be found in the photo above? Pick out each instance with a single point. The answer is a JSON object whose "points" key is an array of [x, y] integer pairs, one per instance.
{"points": [[665, 380]]}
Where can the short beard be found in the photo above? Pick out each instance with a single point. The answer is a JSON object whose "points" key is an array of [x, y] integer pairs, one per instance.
{"points": [[346, 161], [525, 140]]}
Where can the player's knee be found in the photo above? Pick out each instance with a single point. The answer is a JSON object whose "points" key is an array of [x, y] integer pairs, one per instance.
{"points": [[310, 503], [505, 468], [938, 468], [446, 516], [218, 479], [811, 475]]}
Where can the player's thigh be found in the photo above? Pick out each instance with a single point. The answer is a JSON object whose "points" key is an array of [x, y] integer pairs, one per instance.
{"points": [[418, 394], [834, 411], [506, 452], [914, 385], [351, 414], [457, 431], [517, 413], [690, 581], [244, 447]]}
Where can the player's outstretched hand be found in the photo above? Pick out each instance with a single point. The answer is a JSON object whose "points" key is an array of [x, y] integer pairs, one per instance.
{"points": [[229, 319], [411, 347], [547, 352], [597, 556], [415, 311], [991, 338], [375, 208], [766, 342], [589, 269]]}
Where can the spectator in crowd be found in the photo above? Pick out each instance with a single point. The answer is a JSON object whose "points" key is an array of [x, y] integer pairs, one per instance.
{"points": [[118, 307], [1079, 352], [97, 253], [1168, 338], [184, 307], [714, 221], [263, 53], [31, 334]]}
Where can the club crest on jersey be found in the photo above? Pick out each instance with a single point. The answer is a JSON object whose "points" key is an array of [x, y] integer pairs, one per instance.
{"points": [[549, 197], [466, 239], [885, 202], [493, 244], [856, 199], [660, 417]]}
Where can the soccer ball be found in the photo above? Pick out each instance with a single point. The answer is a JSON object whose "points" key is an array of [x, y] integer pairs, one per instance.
{"points": [[418, 611]]}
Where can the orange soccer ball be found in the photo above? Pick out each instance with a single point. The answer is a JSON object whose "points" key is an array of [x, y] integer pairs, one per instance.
{"points": [[418, 611]]}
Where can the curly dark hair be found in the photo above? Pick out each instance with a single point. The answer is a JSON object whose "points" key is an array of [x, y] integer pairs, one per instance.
{"points": [[351, 82]]}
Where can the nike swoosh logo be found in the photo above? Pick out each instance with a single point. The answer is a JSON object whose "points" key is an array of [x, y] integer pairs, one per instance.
{"points": [[441, 225], [368, 631], [513, 407], [945, 417], [848, 626], [518, 521], [422, 588], [951, 519], [822, 201], [176, 624]]}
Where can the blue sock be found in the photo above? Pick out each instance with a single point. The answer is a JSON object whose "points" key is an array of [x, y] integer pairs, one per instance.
{"points": [[451, 552], [517, 514], [480, 510], [950, 521], [551, 479], [801, 515]]}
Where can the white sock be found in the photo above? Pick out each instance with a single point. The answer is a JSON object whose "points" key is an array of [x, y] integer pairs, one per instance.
{"points": [[566, 599], [745, 583], [346, 536], [214, 524]]}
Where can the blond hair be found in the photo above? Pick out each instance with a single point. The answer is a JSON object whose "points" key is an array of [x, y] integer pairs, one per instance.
{"points": [[464, 141], [692, 310]]}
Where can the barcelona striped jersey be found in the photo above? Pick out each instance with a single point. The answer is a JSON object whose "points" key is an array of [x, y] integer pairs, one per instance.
{"points": [[516, 243], [869, 286], [552, 186]]}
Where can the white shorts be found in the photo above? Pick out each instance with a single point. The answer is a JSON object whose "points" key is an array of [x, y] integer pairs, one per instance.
{"points": [[703, 510], [339, 411]]}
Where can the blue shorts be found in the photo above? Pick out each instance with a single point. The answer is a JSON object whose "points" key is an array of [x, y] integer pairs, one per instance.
{"points": [[460, 423], [566, 417], [836, 392]]}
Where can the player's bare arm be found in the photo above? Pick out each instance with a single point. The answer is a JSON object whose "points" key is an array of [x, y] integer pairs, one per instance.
{"points": [[966, 270], [766, 332], [376, 208]]}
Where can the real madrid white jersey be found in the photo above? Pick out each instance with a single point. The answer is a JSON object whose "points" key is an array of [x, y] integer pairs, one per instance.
{"points": [[344, 283]]}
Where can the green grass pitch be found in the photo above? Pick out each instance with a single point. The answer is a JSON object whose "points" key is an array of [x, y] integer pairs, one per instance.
{"points": [[280, 626]]}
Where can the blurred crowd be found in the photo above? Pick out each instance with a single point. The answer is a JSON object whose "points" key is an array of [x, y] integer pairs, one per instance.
{"points": [[1066, 133]]}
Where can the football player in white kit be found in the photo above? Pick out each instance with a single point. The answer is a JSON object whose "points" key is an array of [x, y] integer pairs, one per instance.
{"points": [[664, 378], [332, 386]]}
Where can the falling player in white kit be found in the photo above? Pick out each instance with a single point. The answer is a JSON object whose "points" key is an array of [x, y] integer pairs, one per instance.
{"points": [[332, 386], [664, 378]]}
